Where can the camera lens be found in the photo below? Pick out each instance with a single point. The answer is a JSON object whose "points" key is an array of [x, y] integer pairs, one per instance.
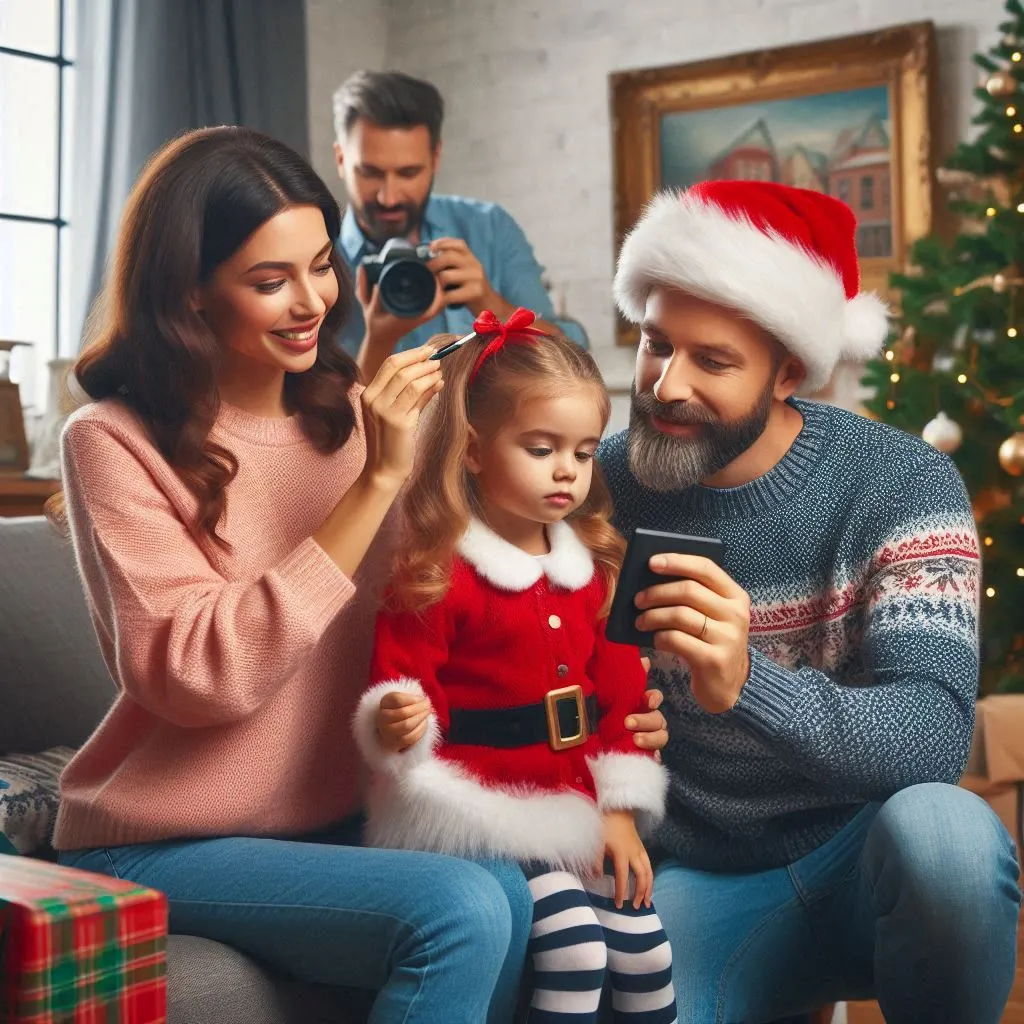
{"points": [[406, 288]]}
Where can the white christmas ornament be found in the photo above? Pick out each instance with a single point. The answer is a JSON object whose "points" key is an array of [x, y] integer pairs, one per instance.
{"points": [[943, 433], [943, 362]]}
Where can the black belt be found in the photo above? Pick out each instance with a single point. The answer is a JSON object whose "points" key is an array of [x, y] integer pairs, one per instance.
{"points": [[554, 720]]}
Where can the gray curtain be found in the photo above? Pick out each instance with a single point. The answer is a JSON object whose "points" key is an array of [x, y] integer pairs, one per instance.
{"points": [[148, 70]]}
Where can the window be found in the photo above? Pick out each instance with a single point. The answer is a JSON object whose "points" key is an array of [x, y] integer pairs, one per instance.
{"points": [[867, 192], [35, 132], [844, 189]]}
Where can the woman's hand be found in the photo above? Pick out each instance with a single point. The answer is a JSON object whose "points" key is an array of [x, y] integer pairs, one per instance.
{"points": [[392, 403], [402, 720], [623, 846]]}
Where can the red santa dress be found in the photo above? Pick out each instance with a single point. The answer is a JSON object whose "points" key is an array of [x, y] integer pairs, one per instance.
{"points": [[511, 629]]}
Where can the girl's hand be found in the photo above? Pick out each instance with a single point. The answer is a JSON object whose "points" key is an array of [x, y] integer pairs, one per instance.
{"points": [[627, 853], [402, 720], [392, 403]]}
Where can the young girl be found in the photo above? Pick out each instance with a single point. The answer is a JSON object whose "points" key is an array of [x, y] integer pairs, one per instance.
{"points": [[494, 716]]}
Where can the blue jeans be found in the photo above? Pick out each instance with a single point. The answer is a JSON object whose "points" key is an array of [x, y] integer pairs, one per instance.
{"points": [[914, 903], [438, 936]]}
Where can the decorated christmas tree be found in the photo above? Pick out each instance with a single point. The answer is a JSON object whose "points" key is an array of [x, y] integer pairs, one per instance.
{"points": [[954, 371]]}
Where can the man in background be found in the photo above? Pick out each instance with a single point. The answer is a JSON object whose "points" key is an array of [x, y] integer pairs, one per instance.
{"points": [[388, 148]]}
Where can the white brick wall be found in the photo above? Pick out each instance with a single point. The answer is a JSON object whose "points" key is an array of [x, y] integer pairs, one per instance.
{"points": [[526, 87], [342, 36]]}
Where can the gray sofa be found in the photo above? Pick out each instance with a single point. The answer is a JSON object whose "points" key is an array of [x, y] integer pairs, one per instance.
{"points": [[54, 688]]}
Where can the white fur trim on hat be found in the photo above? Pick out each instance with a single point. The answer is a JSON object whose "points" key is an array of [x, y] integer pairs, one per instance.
{"points": [[568, 565], [439, 806], [364, 727], [688, 243], [631, 782]]}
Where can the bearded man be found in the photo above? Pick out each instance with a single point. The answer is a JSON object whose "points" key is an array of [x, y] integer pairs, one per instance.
{"points": [[388, 150], [820, 687]]}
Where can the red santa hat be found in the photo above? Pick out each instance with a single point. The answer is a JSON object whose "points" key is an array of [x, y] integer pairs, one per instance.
{"points": [[786, 257]]}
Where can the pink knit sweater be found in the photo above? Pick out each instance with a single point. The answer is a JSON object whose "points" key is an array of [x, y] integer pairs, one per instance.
{"points": [[238, 671]]}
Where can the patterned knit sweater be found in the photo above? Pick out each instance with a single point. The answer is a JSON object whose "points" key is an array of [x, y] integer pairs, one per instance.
{"points": [[861, 559]]}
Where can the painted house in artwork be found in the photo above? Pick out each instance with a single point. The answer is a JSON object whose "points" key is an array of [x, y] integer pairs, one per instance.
{"points": [[859, 174], [750, 156], [805, 168]]}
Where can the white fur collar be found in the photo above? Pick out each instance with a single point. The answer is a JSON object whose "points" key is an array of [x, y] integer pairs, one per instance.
{"points": [[568, 565]]}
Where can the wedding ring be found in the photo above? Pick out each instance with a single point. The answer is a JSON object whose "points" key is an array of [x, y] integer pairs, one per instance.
{"points": [[704, 628]]}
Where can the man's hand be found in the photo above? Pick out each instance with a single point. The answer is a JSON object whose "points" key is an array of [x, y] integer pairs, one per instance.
{"points": [[384, 330], [463, 279], [704, 618]]}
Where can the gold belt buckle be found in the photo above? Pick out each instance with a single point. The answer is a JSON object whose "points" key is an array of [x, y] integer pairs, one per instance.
{"points": [[551, 701]]}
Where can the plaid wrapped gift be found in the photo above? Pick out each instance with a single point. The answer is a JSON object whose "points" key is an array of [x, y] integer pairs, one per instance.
{"points": [[79, 948]]}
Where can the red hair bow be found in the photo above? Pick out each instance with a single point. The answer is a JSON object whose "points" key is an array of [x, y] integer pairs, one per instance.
{"points": [[516, 328]]}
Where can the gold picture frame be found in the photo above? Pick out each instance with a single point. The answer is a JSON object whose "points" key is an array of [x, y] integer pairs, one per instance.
{"points": [[667, 122]]}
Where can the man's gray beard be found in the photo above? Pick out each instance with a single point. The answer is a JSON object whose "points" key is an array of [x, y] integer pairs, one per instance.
{"points": [[662, 462]]}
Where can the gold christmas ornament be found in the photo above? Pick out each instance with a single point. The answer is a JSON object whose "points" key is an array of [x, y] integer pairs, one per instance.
{"points": [[990, 499], [1000, 83], [943, 433], [1011, 454]]}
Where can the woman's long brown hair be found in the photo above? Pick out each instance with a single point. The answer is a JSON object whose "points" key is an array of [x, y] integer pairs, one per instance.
{"points": [[191, 209], [442, 496]]}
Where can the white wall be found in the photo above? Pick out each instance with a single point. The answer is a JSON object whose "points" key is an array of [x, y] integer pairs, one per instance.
{"points": [[526, 88], [342, 36]]}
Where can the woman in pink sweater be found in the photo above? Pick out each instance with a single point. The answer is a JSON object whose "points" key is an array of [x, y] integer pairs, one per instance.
{"points": [[228, 492]]}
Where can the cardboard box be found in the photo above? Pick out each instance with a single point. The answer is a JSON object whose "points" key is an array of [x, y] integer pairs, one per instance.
{"points": [[995, 769], [79, 948]]}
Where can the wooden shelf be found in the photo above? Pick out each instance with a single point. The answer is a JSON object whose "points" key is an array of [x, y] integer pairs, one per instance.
{"points": [[24, 496]]}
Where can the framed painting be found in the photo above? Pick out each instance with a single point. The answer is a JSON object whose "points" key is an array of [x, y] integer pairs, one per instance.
{"points": [[851, 117]]}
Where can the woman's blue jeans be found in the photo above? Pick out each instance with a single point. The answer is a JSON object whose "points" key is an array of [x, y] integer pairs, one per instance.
{"points": [[443, 939]]}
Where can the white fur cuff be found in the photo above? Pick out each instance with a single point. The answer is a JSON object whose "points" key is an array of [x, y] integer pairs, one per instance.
{"points": [[631, 782], [364, 727]]}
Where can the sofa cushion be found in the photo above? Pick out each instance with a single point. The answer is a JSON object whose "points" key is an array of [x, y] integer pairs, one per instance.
{"points": [[29, 796], [207, 981], [54, 687]]}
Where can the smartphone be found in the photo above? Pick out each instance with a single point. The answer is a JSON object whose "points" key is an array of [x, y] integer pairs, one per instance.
{"points": [[636, 576]]}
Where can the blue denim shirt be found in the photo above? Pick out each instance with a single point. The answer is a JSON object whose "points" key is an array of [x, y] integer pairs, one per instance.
{"points": [[498, 243]]}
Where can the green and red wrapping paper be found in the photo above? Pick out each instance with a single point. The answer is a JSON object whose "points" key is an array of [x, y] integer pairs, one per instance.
{"points": [[79, 948]]}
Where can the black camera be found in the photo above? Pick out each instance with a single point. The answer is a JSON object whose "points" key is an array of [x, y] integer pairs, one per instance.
{"points": [[400, 271]]}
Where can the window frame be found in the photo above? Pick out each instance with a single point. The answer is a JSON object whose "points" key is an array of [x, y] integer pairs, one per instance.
{"points": [[58, 222]]}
